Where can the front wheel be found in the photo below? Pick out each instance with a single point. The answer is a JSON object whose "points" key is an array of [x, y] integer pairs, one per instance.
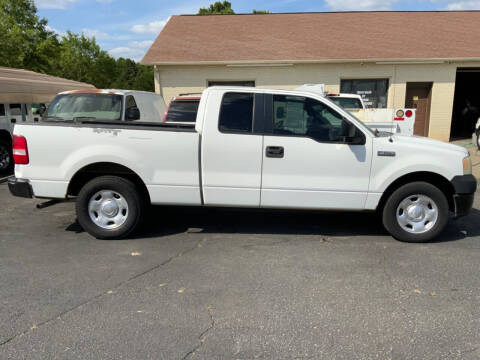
{"points": [[416, 212], [109, 207]]}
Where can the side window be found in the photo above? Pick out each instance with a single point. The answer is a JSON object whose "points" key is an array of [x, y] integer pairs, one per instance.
{"points": [[15, 109], [2, 110], [300, 116], [236, 113], [130, 102]]}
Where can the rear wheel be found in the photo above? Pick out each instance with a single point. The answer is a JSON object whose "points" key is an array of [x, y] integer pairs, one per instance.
{"points": [[6, 158], [109, 207], [416, 212]]}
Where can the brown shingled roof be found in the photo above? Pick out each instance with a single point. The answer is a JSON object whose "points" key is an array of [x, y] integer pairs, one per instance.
{"points": [[317, 37]]}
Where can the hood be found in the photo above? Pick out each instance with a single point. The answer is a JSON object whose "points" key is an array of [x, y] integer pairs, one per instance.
{"points": [[428, 144]]}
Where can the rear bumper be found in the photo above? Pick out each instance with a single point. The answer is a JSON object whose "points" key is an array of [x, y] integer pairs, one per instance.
{"points": [[465, 187], [20, 187]]}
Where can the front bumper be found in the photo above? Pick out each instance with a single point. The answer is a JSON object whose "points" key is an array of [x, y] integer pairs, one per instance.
{"points": [[464, 187], [20, 187]]}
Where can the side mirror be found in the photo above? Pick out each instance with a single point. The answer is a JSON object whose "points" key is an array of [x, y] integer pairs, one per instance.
{"points": [[352, 136], [132, 114]]}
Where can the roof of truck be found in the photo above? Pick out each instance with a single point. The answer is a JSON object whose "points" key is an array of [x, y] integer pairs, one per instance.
{"points": [[316, 37]]}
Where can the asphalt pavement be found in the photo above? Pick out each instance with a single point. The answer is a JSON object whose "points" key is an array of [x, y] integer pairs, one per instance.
{"points": [[231, 284]]}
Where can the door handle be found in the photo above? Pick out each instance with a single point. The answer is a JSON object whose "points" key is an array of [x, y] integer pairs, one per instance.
{"points": [[274, 151], [13, 121]]}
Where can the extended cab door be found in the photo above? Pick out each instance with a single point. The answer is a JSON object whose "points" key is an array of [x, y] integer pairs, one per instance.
{"points": [[310, 159], [231, 156]]}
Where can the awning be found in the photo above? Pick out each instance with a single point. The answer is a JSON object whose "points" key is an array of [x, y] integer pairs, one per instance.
{"points": [[23, 86]]}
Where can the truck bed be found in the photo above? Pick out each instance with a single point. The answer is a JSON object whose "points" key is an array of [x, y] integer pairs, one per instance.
{"points": [[165, 155]]}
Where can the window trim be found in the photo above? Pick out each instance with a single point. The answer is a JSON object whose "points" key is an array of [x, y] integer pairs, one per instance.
{"points": [[253, 115], [271, 120]]}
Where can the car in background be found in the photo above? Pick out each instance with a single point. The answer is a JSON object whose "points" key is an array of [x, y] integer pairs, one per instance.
{"points": [[348, 101], [11, 114], [182, 109], [106, 106]]}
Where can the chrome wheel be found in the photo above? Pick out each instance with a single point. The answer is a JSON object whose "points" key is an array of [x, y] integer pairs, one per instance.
{"points": [[417, 214], [108, 209], [4, 158]]}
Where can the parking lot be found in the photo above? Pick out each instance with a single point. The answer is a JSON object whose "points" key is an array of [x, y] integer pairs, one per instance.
{"points": [[214, 284]]}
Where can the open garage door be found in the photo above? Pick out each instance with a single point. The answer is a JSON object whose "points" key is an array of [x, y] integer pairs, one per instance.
{"points": [[466, 103]]}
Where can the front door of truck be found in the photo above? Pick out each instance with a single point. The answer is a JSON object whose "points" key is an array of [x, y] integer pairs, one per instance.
{"points": [[231, 156], [311, 157]]}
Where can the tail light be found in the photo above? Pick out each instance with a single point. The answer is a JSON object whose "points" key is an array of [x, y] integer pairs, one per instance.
{"points": [[408, 113], [20, 150]]}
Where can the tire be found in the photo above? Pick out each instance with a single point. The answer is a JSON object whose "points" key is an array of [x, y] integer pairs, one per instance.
{"points": [[416, 212], [110, 207], [6, 158]]}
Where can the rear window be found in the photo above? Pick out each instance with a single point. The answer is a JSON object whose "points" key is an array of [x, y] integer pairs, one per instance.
{"points": [[347, 103], [183, 111], [236, 113]]}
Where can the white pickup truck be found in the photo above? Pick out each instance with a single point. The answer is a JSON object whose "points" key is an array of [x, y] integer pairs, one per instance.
{"points": [[249, 147]]}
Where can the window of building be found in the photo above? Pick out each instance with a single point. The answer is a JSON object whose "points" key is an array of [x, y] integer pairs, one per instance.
{"points": [[2, 110], [232, 83], [236, 112], [373, 91], [300, 116]]}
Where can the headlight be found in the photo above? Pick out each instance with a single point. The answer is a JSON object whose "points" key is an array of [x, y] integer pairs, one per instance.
{"points": [[467, 165]]}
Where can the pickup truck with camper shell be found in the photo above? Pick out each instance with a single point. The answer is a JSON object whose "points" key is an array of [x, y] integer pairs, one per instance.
{"points": [[249, 147]]}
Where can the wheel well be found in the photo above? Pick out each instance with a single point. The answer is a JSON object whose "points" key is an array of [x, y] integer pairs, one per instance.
{"points": [[435, 179], [92, 171], [5, 136]]}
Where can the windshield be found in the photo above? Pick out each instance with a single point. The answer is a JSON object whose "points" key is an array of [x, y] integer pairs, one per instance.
{"points": [[85, 106], [346, 102]]}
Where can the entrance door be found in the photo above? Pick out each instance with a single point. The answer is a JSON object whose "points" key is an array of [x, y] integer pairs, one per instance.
{"points": [[308, 161], [419, 97]]}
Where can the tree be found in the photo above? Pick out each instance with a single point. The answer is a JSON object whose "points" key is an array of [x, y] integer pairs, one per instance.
{"points": [[27, 42], [218, 8], [260, 11], [25, 39]]}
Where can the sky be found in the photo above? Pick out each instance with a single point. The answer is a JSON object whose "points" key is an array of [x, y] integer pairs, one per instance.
{"points": [[127, 28]]}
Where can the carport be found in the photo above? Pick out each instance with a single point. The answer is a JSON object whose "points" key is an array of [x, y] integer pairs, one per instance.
{"points": [[18, 86], [21, 93], [466, 103]]}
